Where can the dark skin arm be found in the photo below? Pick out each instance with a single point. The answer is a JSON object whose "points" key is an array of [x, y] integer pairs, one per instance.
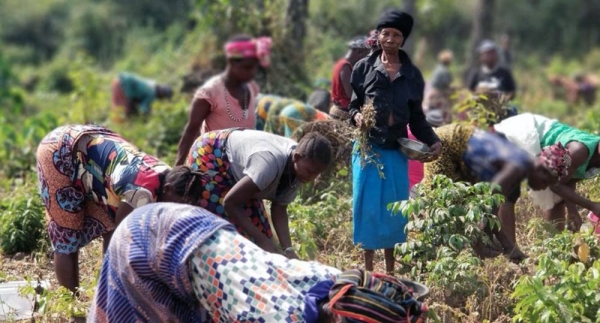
{"points": [[199, 111], [568, 193], [345, 75], [243, 191], [509, 176], [123, 211], [282, 227]]}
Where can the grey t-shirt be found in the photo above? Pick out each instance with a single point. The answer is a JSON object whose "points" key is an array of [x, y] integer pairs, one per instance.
{"points": [[263, 157]]}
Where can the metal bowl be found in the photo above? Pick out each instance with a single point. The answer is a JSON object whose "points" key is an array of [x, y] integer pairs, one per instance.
{"points": [[413, 149], [420, 291]]}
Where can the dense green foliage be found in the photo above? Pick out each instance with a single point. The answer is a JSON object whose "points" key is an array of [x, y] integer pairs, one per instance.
{"points": [[22, 223]]}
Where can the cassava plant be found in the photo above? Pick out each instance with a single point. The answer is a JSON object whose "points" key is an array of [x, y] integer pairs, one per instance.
{"points": [[448, 215], [565, 286], [443, 222]]}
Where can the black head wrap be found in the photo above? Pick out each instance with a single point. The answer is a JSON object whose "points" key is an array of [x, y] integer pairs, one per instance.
{"points": [[398, 20]]}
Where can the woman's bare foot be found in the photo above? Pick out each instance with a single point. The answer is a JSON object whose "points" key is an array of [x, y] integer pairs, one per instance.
{"points": [[484, 251], [516, 255]]}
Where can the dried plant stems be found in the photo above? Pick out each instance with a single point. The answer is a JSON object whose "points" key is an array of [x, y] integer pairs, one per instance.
{"points": [[362, 137]]}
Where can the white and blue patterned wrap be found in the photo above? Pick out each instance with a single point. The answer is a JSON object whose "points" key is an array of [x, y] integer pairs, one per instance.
{"points": [[145, 273]]}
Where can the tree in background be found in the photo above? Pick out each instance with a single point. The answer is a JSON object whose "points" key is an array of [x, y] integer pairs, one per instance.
{"points": [[410, 7], [295, 22]]}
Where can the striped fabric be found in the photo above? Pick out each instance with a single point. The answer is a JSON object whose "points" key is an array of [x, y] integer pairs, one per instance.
{"points": [[360, 296], [145, 275]]}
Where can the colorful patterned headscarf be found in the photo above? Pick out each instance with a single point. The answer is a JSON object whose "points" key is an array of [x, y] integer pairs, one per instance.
{"points": [[360, 296], [259, 48], [372, 39], [557, 160]]}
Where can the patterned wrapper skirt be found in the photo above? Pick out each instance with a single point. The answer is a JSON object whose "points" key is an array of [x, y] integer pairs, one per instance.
{"points": [[145, 275], [208, 156], [73, 219], [236, 281]]}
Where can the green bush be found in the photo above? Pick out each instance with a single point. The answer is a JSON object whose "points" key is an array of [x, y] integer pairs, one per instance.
{"points": [[318, 225], [22, 223], [20, 139], [565, 285], [443, 222]]}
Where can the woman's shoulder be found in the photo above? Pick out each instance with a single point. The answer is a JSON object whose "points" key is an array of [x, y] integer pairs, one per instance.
{"points": [[210, 87], [213, 81]]}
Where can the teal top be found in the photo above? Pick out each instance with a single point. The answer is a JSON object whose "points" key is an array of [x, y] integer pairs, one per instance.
{"points": [[560, 132], [137, 89]]}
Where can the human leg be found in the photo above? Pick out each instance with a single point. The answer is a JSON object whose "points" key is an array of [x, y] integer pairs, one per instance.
{"points": [[390, 260], [66, 267], [369, 256]]}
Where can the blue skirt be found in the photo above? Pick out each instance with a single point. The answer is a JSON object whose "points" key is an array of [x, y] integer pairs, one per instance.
{"points": [[375, 227]]}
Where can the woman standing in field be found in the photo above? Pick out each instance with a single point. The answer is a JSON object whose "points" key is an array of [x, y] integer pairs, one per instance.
{"points": [[243, 167], [228, 99], [388, 79], [90, 178]]}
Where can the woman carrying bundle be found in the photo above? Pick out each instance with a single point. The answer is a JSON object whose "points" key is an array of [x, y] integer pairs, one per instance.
{"points": [[394, 86]]}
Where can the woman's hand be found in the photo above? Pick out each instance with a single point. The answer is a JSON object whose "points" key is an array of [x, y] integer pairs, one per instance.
{"points": [[290, 253], [434, 152], [267, 245], [358, 118]]}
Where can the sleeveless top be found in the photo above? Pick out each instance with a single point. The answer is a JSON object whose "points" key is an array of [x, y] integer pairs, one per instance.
{"points": [[338, 94]]}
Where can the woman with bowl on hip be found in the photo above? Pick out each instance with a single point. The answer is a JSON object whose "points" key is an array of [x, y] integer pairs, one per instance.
{"points": [[389, 80]]}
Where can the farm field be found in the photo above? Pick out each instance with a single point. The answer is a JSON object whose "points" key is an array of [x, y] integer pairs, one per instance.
{"points": [[44, 85]]}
